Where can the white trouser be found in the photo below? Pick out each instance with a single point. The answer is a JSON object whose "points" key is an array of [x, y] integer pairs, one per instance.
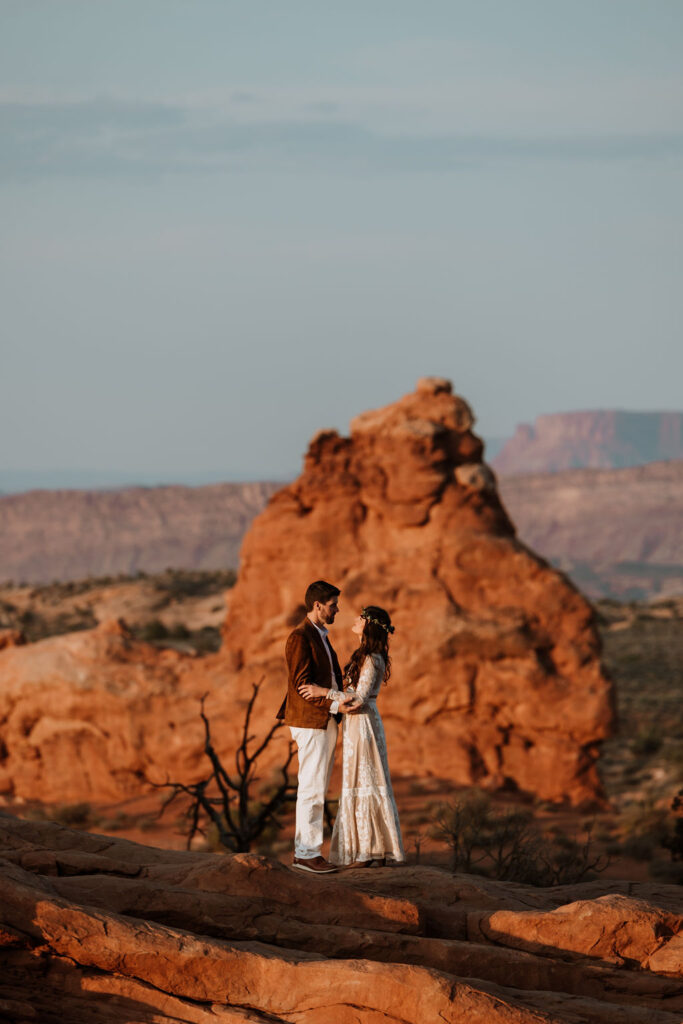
{"points": [[316, 754]]}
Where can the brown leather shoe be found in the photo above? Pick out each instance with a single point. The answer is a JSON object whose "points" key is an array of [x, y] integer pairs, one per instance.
{"points": [[318, 865], [360, 864]]}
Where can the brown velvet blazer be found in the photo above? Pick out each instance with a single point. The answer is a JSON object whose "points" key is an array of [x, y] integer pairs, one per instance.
{"points": [[307, 662]]}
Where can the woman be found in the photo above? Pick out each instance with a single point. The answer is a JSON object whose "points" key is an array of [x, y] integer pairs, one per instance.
{"points": [[366, 831]]}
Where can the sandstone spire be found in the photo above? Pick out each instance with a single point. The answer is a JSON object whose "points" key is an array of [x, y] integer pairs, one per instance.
{"points": [[497, 678]]}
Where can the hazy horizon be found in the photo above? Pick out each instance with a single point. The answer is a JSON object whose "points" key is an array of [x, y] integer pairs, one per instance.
{"points": [[88, 478]]}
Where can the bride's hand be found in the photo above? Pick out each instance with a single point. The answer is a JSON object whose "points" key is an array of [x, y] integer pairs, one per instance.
{"points": [[310, 690]]}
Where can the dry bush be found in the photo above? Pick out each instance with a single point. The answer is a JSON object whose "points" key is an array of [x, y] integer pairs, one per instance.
{"points": [[508, 845]]}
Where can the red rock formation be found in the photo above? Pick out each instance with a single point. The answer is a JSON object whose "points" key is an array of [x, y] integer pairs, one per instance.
{"points": [[93, 928], [86, 715], [497, 678], [603, 439]]}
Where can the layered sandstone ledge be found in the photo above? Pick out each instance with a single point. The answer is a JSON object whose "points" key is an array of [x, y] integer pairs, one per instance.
{"points": [[100, 929]]}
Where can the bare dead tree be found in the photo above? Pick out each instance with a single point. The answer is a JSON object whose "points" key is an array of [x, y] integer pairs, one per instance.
{"points": [[226, 800]]}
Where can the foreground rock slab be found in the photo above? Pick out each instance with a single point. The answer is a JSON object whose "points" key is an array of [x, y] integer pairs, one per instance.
{"points": [[104, 930]]}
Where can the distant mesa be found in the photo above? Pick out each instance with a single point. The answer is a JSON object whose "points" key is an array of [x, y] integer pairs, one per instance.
{"points": [[603, 439], [616, 532]]}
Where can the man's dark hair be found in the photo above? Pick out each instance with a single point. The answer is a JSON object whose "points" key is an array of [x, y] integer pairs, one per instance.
{"points": [[320, 591]]}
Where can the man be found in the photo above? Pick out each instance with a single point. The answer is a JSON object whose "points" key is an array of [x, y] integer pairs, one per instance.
{"points": [[313, 721]]}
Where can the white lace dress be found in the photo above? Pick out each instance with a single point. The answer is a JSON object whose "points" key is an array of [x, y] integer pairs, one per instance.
{"points": [[367, 826]]}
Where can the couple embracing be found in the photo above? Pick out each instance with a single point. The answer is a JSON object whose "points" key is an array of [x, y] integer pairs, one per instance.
{"points": [[366, 830]]}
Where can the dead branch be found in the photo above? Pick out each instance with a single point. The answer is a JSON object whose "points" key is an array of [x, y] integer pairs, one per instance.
{"points": [[227, 800]]}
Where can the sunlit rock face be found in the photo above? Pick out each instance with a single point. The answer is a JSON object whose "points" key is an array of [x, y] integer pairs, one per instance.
{"points": [[496, 675], [106, 930]]}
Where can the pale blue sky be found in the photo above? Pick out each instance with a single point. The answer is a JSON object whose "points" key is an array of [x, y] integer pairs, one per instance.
{"points": [[226, 225]]}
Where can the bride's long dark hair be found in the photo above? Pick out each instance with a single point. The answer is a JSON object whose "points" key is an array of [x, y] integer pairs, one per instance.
{"points": [[375, 640]]}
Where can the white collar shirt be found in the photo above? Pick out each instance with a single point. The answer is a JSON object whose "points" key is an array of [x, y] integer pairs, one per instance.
{"points": [[323, 634], [334, 707]]}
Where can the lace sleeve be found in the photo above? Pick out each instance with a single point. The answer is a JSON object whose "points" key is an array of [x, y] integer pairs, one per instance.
{"points": [[370, 676]]}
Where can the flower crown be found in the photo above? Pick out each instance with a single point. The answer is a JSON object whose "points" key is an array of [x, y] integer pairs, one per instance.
{"points": [[364, 614]]}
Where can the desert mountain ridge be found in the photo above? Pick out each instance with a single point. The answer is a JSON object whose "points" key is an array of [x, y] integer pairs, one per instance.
{"points": [[65, 534], [616, 532]]}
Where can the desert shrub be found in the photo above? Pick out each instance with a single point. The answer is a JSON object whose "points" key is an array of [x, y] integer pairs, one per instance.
{"points": [[152, 630], [36, 812], [666, 871], [508, 845], [65, 622], [604, 834], [672, 756], [206, 640], [179, 632], [644, 819], [640, 848], [460, 824], [646, 743], [673, 838], [74, 815], [175, 584], [119, 821], [649, 827]]}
